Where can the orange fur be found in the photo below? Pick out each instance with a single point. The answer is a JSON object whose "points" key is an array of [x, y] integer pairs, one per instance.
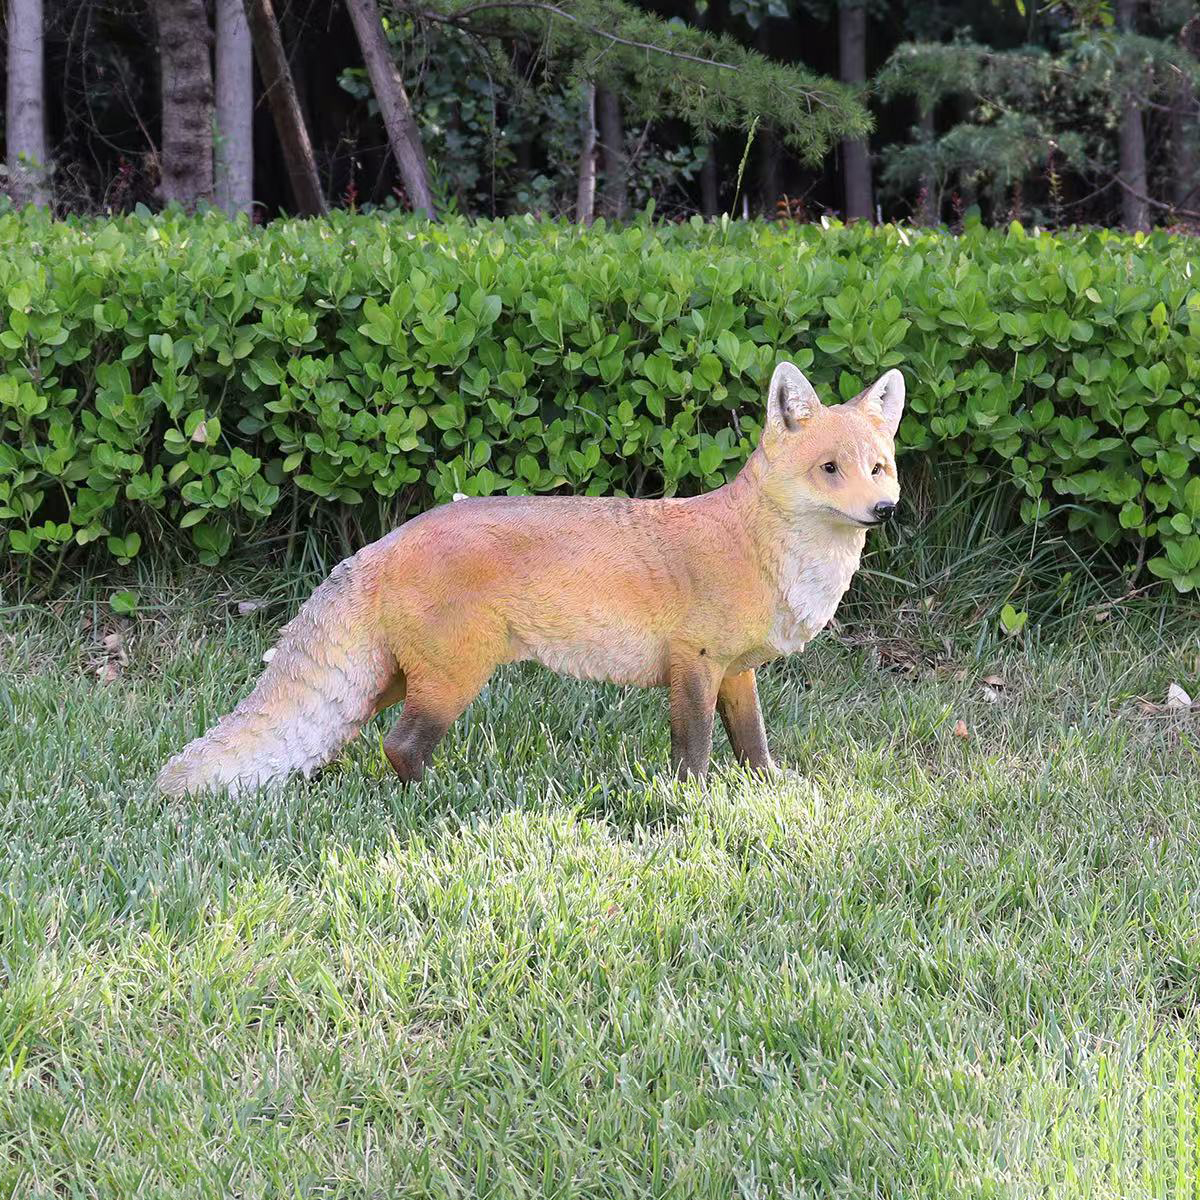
{"points": [[688, 594]]}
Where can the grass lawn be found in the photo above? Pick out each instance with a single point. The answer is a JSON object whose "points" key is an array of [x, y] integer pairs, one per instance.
{"points": [[916, 965]]}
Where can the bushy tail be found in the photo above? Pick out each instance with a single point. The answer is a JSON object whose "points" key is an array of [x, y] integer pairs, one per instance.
{"points": [[323, 682]]}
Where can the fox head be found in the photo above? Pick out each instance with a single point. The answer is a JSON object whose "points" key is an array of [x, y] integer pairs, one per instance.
{"points": [[837, 462]]}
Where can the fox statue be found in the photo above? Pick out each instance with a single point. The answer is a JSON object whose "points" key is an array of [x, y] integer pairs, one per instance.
{"points": [[687, 594]]}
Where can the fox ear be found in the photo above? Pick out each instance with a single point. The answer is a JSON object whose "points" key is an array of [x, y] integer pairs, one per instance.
{"points": [[791, 399], [884, 400]]}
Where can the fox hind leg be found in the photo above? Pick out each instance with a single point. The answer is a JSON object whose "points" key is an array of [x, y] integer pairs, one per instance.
{"points": [[410, 743], [737, 702], [432, 704]]}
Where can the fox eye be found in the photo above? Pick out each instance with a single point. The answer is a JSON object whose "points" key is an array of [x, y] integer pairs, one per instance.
{"points": [[830, 468], [876, 468]]}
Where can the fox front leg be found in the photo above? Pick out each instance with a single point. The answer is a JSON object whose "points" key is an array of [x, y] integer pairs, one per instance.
{"points": [[694, 681], [741, 714]]}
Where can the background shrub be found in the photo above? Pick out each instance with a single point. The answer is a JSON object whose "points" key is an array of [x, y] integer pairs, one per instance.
{"points": [[164, 374]]}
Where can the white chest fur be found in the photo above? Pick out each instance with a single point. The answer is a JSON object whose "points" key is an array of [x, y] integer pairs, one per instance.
{"points": [[812, 577]]}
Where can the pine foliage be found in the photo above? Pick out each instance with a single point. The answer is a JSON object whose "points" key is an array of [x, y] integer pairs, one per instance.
{"points": [[665, 68], [1026, 106]]}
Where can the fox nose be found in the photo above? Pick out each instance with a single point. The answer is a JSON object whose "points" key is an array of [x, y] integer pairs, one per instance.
{"points": [[884, 510]]}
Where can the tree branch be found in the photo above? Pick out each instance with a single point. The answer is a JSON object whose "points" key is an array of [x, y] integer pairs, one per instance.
{"points": [[809, 96], [1160, 204], [555, 11]]}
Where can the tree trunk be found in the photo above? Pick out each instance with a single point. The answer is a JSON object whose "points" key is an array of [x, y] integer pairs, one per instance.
{"points": [[403, 135], [292, 23], [1135, 212], [25, 124], [856, 156], [285, 108], [963, 196], [768, 147], [927, 200], [585, 195], [710, 184], [1185, 162], [235, 109], [711, 16], [187, 102], [1185, 128], [769, 189], [614, 196]]}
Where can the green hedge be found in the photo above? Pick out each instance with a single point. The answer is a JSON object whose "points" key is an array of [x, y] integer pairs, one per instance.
{"points": [[166, 373]]}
